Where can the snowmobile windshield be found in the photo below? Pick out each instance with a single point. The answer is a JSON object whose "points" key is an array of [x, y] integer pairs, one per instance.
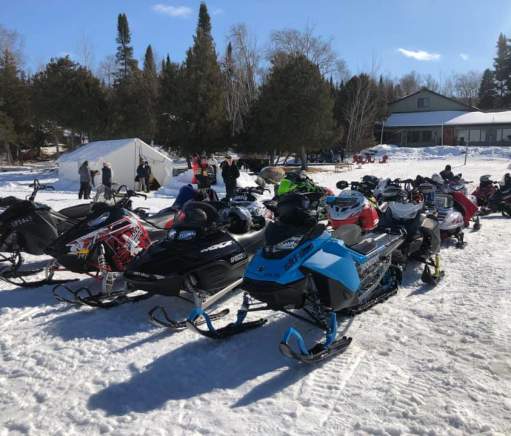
{"points": [[281, 239]]}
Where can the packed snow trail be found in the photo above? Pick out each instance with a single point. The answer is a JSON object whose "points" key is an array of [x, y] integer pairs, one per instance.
{"points": [[427, 361]]}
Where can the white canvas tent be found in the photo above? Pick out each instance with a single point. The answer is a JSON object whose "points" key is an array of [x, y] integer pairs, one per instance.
{"points": [[123, 155]]}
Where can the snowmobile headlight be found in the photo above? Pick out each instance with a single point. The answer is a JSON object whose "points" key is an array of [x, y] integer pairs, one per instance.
{"points": [[186, 235], [171, 234]]}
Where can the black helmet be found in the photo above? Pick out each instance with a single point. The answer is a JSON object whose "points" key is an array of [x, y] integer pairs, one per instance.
{"points": [[199, 214], [294, 209], [448, 167], [195, 218], [370, 181], [240, 220]]}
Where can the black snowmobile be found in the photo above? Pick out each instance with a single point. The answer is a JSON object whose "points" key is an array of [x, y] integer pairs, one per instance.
{"points": [[423, 239], [30, 227], [104, 243], [201, 260]]}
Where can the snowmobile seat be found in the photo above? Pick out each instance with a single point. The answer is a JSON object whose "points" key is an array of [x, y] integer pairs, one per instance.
{"points": [[250, 241], [76, 212], [160, 219], [351, 234]]}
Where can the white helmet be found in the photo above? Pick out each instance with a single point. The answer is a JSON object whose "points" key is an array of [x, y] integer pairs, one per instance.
{"points": [[346, 205], [437, 179]]}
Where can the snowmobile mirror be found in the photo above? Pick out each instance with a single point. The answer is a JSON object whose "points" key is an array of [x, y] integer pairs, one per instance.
{"points": [[342, 184]]}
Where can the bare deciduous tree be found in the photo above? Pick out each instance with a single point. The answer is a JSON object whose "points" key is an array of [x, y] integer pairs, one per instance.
{"points": [[241, 70], [11, 41], [410, 83], [107, 69], [466, 86], [85, 52], [314, 48], [359, 111]]}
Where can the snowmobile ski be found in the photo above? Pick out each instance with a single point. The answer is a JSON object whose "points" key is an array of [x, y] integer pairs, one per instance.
{"points": [[232, 329], [319, 351]]}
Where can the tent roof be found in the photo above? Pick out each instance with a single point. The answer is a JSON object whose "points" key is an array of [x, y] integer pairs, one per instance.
{"points": [[472, 118], [416, 119], [98, 149]]}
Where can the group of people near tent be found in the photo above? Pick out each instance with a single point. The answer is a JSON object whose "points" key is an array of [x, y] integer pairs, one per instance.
{"points": [[87, 180], [204, 175]]}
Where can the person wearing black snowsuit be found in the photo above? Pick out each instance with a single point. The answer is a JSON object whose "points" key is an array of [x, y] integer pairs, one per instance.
{"points": [[147, 175], [447, 173], [230, 174], [141, 177], [85, 181], [106, 180]]}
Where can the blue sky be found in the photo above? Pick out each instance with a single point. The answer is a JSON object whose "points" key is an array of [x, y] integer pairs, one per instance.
{"points": [[435, 37]]}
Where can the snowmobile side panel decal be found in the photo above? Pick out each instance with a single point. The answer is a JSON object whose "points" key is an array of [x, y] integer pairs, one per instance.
{"points": [[339, 268]]}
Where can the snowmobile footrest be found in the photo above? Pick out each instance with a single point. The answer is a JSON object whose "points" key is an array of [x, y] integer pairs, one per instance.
{"points": [[84, 297], [160, 317], [366, 306]]}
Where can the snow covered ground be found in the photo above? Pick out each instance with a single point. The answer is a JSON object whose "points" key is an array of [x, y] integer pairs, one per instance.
{"points": [[428, 361]]}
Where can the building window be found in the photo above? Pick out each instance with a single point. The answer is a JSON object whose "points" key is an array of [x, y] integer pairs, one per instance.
{"points": [[505, 135], [414, 136], [423, 102], [462, 136], [427, 135], [475, 135]]}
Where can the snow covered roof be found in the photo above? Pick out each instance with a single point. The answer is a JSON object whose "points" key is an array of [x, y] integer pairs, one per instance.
{"points": [[471, 118], [415, 119]]}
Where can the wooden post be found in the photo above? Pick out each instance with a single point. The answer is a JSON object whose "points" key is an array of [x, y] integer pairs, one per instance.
{"points": [[442, 134], [381, 136]]}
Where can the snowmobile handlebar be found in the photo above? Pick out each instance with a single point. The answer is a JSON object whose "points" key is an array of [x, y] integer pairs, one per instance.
{"points": [[38, 186]]}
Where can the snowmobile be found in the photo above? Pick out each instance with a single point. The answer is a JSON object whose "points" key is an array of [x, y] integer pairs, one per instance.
{"points": [[201, 260], [30, 227], [422, 232], [103, 244], [494, 197], [352, 206], [250, 198], [305, 267]]}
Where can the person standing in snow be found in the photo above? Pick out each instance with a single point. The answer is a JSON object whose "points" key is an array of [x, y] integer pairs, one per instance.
{"points": [[85, 181], [230, 174], [147, 175], [141, 177], [106, 179]]}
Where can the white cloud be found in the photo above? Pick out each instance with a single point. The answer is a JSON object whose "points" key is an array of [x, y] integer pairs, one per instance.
{"points": [[419, 55], [217, 11], [464, 56], [172, 11]]}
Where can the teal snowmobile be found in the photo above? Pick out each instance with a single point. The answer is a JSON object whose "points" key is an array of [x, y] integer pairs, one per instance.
{"points": [[305, 267]]}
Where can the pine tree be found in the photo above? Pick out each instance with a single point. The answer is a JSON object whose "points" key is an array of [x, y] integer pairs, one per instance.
{"points": [[150, 95], [487, 91], [15, 97], [501, 64], [170, 104], [203, 111], [294, 110], [126, 64]]}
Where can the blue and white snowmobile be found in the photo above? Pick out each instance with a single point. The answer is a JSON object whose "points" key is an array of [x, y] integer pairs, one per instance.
{"points": [[304, 266]]}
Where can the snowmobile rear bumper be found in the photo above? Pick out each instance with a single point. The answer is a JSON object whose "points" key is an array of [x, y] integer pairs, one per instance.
{"points": [[275, 295], [170, 285]]}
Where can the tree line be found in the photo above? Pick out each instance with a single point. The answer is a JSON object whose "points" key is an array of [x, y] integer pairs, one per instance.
{"points": [[295, 96]]}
